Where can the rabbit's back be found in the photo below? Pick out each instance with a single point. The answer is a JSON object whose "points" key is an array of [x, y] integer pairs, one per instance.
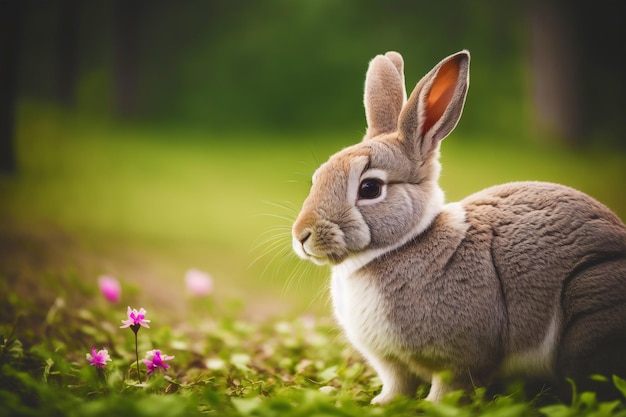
{"points": [[560, 257]]}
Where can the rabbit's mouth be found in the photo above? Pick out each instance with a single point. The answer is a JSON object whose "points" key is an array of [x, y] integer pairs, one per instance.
{"points": [[306, 249], [334, 259], [329, 259]]}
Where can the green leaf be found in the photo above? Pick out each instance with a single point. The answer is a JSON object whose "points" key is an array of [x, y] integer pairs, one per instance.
{"points": [[588, 399], [241, 361], [246, 405], [327, 374], [558, 410], [620, 384], [512, 410], [607, 408], [446, 410]]}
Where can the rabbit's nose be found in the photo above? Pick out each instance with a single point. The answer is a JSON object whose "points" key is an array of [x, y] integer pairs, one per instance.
{"points": [[300, 245], [304, 236]]}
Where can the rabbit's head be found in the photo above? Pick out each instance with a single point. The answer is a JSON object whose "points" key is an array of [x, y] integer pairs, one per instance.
{"points": [[382, 192]]}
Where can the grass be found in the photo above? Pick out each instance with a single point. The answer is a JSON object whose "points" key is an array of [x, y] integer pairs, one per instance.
{"points": [[146, 204], [221, 366]]}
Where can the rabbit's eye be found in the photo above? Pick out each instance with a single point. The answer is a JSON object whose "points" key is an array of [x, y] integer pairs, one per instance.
{"points": [[370, 188]]}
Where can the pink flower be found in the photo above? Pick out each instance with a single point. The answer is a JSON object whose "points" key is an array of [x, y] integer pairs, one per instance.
{"points": [[198, 283], [135, 319], [154, 360], [110, 288], [98, 359]]}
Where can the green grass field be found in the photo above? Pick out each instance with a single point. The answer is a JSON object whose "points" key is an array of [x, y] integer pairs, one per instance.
{"points": [[145, 204]]}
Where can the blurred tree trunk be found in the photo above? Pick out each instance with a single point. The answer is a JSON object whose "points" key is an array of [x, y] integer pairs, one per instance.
{"points": [[126, 46], [578, 55], [67, 51], [11, 15], [555, 64]]}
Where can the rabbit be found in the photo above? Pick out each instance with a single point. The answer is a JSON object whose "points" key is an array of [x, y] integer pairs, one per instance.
{"points": [[525, 279]]}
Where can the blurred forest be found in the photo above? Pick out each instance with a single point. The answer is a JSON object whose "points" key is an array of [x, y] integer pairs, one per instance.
{"points": [[550, 67], [142, 137]]}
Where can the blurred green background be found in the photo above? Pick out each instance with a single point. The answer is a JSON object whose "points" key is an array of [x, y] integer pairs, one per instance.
{"points": [[144, 138]]}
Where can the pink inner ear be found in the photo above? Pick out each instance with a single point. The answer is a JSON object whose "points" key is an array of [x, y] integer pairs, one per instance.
{"points": [[441, 93]]}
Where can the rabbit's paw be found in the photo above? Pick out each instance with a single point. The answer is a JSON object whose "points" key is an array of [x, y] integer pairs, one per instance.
{"points": [[437, 390], [383, 398]]}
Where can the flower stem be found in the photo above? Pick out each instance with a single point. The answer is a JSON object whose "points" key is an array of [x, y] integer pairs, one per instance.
{"points": [[137, 355]]}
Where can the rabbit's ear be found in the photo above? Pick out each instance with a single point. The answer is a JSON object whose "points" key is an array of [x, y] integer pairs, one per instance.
{"points": [[436, 104], [384, 93]]}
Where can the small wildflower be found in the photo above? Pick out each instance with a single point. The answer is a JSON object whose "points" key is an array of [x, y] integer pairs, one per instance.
{"points": [[135, 319], [98, 359], [154, 360], [110, 288], [198, 283]]}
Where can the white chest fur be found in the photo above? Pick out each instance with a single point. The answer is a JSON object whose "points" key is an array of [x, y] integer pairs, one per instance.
{"points": [[359, 310]]}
